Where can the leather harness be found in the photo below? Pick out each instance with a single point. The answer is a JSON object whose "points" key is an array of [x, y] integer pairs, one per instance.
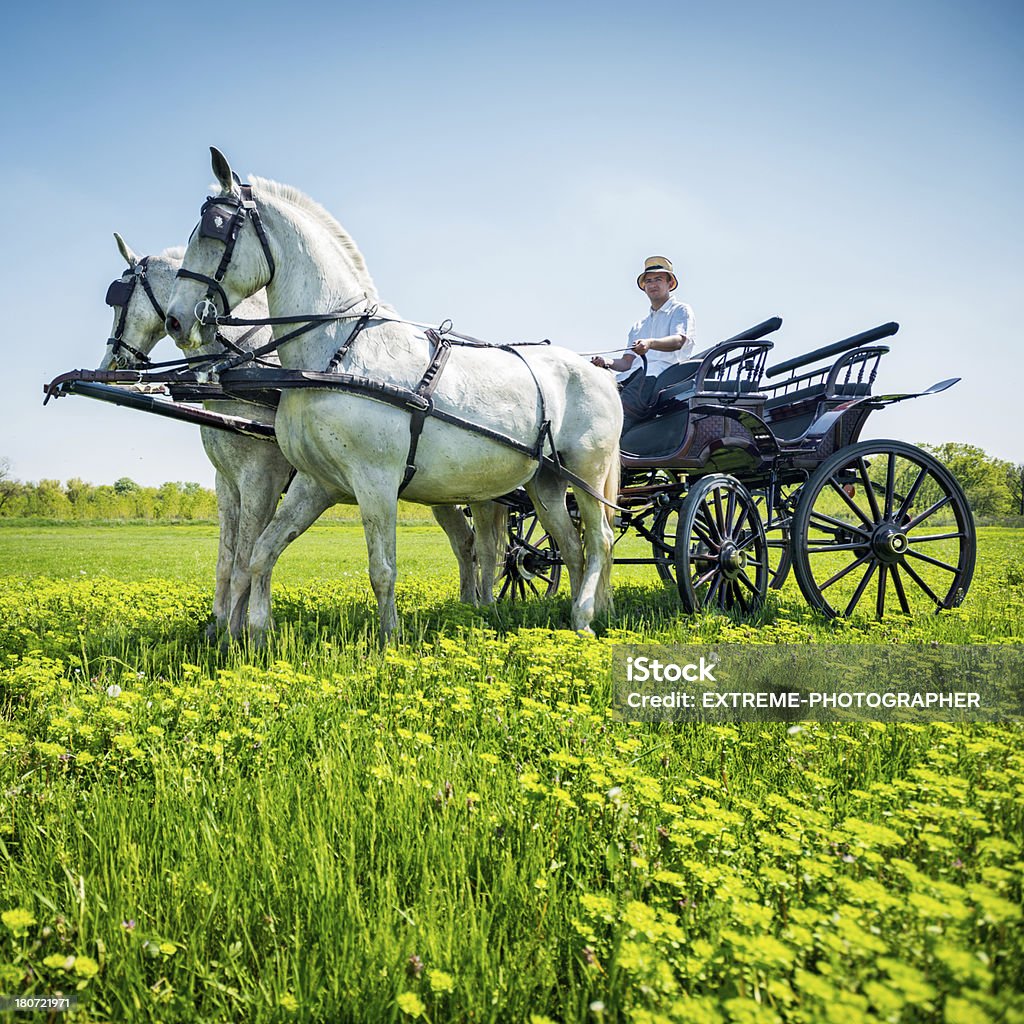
{"points": [[222, 218]]}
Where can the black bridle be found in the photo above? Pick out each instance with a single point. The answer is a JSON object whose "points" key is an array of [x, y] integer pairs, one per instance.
{"points": [[222, 218], [119, 295]]}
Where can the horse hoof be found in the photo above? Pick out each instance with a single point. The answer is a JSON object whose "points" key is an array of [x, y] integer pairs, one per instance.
{"points": [[586, 631]]}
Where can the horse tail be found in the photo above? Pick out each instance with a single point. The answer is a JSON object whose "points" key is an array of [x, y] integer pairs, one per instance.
{"points": [[611, 486], [610, 495]]}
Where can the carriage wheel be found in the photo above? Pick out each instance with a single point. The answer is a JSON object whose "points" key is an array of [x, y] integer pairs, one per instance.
{"points": [[777, 531], [883, 520], [665, 529], [722, 553], [532, 563]]}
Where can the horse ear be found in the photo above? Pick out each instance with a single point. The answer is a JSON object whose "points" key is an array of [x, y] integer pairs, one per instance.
{"points": [[130, 258], [222, 170]]}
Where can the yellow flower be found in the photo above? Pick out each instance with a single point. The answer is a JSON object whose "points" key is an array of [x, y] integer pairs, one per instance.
{"points": [[288, 1002], [86, 966], [441, 982], [410, 1003], [19, 920]]}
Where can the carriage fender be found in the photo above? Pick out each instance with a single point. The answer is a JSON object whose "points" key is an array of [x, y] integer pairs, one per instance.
{"points": [[825, 423]]}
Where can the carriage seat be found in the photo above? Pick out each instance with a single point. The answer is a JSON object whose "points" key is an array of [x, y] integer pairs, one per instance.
{"points": [[677, 383], [790, 415], [853, 389], [658, 438]]}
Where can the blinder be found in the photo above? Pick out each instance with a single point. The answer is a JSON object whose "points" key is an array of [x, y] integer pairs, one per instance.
{"points": [[217, 222], [221, 218], [120, 292]]}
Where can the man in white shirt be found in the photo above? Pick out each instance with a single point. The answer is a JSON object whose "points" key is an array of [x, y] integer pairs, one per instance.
{"points": [[665, 335]]}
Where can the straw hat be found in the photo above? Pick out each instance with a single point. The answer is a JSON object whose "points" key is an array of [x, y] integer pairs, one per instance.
{"points": [[658, 265]]}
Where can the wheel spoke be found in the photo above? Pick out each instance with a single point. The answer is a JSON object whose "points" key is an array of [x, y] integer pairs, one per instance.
{"points": [[817, 549], [705, 536], [839, 523], [931, 561], [936, 536], [528, 532], [750, 586], [917, 520], [869, 488], [921, 583], [842, 572], [880, 602], [739, 597], [718, 513], [890, 484], [908, 501], [730, 512], [701, 580], [854, 507], [860, 589], [900, 593]]}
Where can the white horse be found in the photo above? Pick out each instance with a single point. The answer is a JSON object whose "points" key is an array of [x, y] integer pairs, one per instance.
{"points": [[251, 473], [343, 441]]}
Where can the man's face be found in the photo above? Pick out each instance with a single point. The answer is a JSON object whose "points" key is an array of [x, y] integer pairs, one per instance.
{"points": [[656, 285]]}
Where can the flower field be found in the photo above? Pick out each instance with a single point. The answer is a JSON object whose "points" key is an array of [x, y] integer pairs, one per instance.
{"points": [[455, 827]]}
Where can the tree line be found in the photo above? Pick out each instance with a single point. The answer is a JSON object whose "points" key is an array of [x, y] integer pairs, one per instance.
{"points": [[993, 487], [124, 499]]}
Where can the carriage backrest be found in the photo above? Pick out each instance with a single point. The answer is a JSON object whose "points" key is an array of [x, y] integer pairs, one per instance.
{"points": [[731, 368], [795, 403]]}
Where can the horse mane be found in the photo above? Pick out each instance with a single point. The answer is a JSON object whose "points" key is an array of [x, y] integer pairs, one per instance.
{"points": [[297, 198], [173, 252]]}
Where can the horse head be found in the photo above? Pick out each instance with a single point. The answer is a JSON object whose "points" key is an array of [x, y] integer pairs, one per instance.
{"points": [[138, 298], [228, 259]]}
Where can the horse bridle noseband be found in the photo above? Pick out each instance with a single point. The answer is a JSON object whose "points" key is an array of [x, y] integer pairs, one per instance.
{"points": [[119, 295], [222, 217]]}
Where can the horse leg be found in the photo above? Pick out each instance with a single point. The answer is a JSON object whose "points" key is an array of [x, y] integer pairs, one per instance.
{"points": [[227, 514], [378, 505], [303, 503], [547, 492], [594, 596], [260, 483], [489, 518], [460, 535]]}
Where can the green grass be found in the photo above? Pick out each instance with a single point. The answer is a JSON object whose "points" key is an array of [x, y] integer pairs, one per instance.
{"points": [[455, 826]]}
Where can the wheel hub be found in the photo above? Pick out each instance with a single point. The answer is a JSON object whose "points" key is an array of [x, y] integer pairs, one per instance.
{"points": [[528, 563], [732, 560], [889, 543]]}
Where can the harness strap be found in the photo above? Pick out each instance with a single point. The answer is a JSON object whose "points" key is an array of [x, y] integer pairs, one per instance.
{"points": [[257, 222], [239, 381], [425, 391], [338, 356]]}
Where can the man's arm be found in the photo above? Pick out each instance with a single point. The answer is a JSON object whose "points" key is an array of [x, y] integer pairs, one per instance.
{"points": [[669, 343], [624, 362]]}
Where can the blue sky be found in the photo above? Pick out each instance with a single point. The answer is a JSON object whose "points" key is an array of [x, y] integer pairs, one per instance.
{"points": [[510, 168]]}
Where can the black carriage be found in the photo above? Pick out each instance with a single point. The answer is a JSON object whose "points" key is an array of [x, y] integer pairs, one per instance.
{"points": [[735, 471]]}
